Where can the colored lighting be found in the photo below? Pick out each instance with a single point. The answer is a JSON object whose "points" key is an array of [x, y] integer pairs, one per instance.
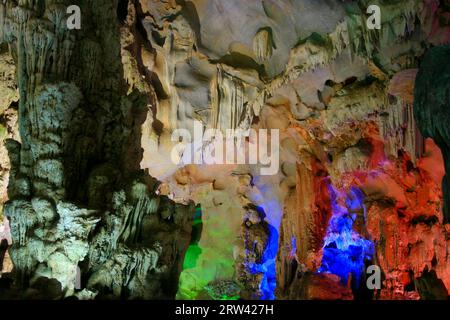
{"points": [[269, 204], [345, 251]]}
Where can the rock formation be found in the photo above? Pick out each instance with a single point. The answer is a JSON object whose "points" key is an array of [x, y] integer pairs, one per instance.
{"points": [[78, 202], [431, 105], [98, 208]]}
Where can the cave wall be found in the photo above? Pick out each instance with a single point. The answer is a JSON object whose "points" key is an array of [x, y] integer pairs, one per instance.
{"points": [[9, 129], [79, 205], [341, 96], [92, 185]]}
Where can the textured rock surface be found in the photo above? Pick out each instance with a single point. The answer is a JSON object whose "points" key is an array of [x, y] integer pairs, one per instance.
{"points": [[432, 104], [78, 202], [8, 129], [357, 183], [341, 96]]}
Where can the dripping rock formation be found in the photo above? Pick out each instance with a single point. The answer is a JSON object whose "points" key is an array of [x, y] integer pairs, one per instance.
{"points": [[93, 205]]}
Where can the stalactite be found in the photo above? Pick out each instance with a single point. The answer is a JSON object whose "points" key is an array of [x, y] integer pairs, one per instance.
{"points": [[263, 44], [309, 54], [305, 207], [398, 128], [431, 101], [227, 101]]}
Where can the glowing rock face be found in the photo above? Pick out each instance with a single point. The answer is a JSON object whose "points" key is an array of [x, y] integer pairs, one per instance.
{"points": [[345, 251], [267, 267], [270, 206], [341, 96]]}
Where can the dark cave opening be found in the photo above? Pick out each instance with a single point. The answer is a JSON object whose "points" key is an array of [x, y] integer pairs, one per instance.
{"points": [[122, 10]]}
